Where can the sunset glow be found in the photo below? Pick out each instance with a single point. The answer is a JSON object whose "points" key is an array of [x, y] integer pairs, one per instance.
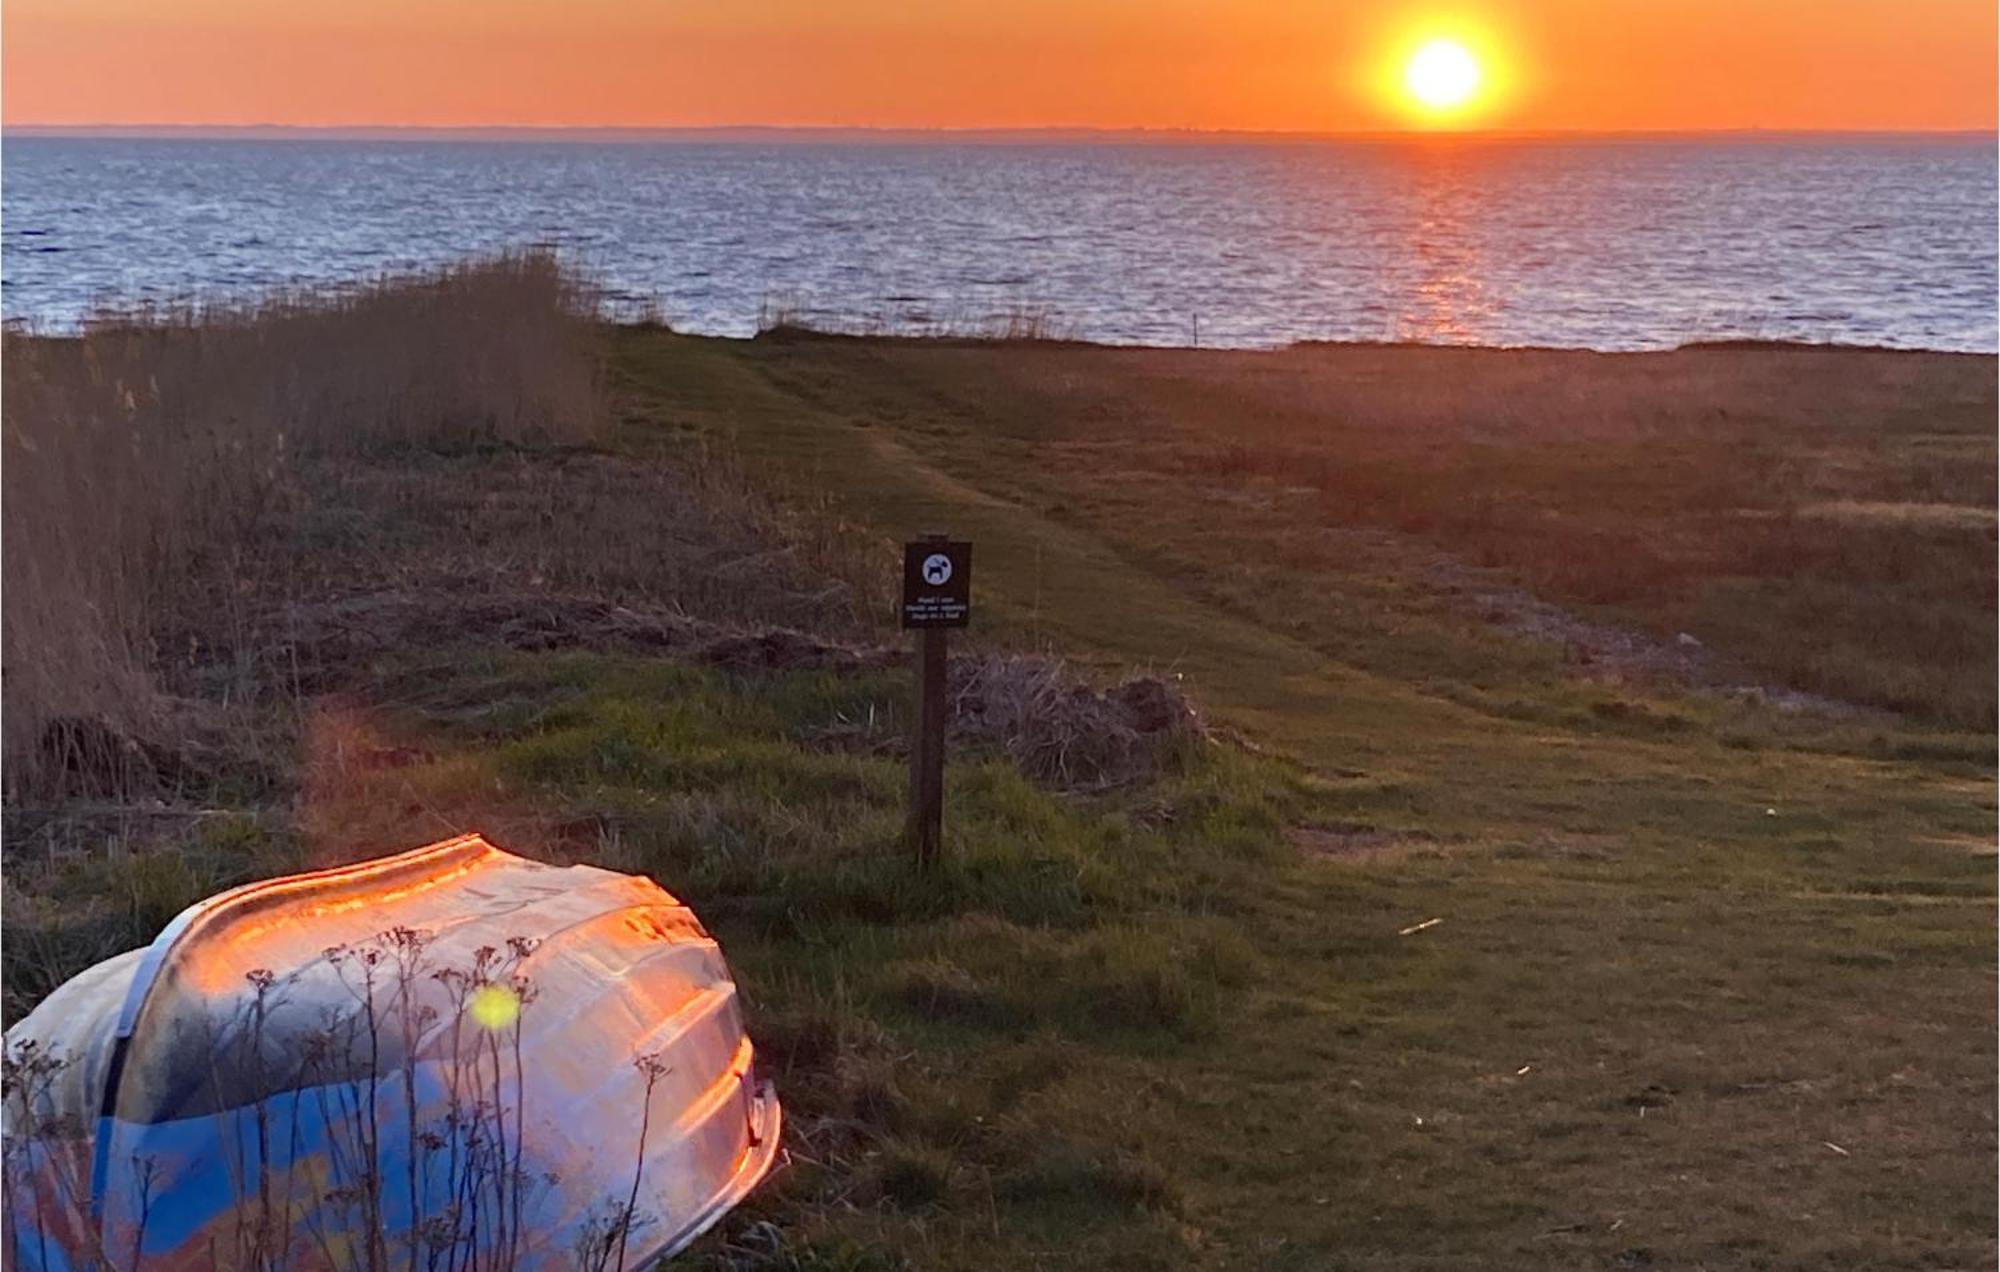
{"points": [[1332, 66]]}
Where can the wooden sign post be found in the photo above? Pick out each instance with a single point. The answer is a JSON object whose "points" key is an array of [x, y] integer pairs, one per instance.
{"points": [[937, 596]]}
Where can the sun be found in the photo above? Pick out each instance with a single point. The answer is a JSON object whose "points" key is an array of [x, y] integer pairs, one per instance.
{"points": [[1442, 75]]}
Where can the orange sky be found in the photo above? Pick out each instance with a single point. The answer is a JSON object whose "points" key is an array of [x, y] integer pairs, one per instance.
{"points": [[1312, 65]]}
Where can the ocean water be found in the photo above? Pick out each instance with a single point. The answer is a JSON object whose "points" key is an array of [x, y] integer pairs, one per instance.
{"points": [[1597, 244]]}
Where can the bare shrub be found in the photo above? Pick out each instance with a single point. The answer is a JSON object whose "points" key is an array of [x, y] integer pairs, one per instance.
{"points": [[1058, 729], [1038, 711], [143, 458]]}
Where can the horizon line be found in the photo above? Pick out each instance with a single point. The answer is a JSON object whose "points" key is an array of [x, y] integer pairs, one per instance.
{"points": [[869, 132]]}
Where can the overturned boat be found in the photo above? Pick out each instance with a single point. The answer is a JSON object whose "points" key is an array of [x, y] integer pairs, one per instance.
{"points": [[454, 1058]]}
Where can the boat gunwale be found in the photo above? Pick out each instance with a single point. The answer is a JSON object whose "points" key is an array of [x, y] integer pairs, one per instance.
{"points": [[766, 1142], [186, 926]]}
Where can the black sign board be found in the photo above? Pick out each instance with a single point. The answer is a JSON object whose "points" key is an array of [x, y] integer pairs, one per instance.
{"points": [[937, 583]]}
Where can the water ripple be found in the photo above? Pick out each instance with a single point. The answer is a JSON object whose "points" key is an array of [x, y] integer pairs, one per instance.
{"points": [[1610, 246]]}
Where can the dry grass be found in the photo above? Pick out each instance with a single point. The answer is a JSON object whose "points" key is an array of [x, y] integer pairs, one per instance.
{"points": [[1822, 521], [1105, 1028], [144, 457], [560, 547]]}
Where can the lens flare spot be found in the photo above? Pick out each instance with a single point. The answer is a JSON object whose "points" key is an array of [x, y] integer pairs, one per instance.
{"points": [[494, 1006]]}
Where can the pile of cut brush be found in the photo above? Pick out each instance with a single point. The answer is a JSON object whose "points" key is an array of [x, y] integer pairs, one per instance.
{"points": [[1045, 717], [1059, 730]]}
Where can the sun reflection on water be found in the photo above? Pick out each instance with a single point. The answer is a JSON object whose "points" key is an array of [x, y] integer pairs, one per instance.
{"points": [[1445, 297]]}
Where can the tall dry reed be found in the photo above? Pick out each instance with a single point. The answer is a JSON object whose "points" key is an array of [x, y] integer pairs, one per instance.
{"points": [[141, 455]]}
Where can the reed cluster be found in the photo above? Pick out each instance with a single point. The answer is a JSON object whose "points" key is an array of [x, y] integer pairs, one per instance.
{"points": [[144, 455]]}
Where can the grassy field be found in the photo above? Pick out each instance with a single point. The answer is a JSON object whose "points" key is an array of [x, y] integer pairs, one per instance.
{"points": [[1499, 925], [1689, 938]]}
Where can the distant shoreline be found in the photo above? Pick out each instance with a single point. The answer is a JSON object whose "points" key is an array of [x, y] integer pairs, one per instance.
{"points": [[839, 135], [17, 329], [1720, 344]]}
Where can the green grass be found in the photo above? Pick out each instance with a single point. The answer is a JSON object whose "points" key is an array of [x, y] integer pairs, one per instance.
{"points": [[1683, 944], [1686, 942], [1142, 1029], [912, 1021], [1690, 491]]}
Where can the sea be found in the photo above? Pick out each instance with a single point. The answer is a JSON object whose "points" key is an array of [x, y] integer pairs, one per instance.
{"points": [[1595, 243]]}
